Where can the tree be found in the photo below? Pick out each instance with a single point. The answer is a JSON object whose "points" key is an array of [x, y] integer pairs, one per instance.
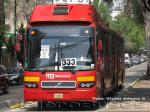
{"points": [[24, 8], [146, 13], [103, 10], [2, 16], [133, 33], [2, 24], [144, 6], [134, 10]]}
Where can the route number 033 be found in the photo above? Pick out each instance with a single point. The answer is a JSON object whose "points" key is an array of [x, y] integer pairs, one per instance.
{"points": [[68, 62]]}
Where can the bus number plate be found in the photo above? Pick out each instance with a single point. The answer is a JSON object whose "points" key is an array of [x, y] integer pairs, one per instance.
{"points": [[68, 62], [58, 95]]}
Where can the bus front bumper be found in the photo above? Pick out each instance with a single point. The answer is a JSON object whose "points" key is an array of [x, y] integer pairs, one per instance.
{"points": [[60, 95]]}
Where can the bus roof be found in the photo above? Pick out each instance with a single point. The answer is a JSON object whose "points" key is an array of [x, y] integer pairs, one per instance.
{"points": [[75, 13]]}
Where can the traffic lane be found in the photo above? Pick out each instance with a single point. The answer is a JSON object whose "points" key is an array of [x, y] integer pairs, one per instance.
{"points": [[7, 100], [134, 73]]}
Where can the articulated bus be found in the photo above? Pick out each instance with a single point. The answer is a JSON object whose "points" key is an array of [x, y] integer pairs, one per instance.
{"points": [[71, 55]]}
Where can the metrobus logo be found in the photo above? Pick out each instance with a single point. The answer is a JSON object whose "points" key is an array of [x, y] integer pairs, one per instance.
{"points": [[50, 76], [53, 76]]}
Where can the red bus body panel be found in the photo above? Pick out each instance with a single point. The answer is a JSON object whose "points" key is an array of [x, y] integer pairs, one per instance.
{"points": [[74, 94], [80, 13]]}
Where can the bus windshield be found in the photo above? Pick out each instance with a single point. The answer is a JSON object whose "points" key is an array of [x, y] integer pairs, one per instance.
{"points": [[60, 53]]}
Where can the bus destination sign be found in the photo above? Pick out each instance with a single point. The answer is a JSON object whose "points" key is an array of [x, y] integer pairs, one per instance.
{"points": [[69, 1]]}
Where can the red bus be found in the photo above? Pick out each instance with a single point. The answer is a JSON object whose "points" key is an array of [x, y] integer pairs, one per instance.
{"points": [[71, 55]]}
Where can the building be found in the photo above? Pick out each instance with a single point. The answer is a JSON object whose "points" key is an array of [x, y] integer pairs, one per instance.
{"points": [[117, 8]]}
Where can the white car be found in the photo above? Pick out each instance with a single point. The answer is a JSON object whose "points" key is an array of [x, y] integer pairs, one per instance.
{"points": [[127, 62]]}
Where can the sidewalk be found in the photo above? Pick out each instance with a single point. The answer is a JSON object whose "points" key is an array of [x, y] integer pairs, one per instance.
{"points": [[133, 99]]}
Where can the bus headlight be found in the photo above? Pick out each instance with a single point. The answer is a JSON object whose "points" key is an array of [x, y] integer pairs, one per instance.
{"points": [[30, 85], [87, 84]]}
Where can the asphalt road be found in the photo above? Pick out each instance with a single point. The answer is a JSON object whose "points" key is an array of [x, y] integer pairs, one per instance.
{"points": [[9, 102], [133, 73]]}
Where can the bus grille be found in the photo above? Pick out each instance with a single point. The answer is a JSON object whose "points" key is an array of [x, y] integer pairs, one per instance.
{"points": [[58, 84]]}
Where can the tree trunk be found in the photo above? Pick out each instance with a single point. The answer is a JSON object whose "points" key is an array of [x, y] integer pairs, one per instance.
{"points": [[2, 24], [2, 16], [146, 13], [147, 30]]}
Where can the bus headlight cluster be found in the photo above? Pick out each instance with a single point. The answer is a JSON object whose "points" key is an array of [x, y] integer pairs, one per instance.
{"points": [[31, 85], [87, 84]]}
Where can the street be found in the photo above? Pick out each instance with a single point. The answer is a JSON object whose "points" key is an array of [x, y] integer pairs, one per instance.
{"points": [[133, 73], [7, 100], [14, 99]]}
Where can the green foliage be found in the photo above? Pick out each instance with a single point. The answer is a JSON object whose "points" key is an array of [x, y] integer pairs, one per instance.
{"points": [[103, 10], [137, 12], [134, 10], [133, 33], [130, 26]]}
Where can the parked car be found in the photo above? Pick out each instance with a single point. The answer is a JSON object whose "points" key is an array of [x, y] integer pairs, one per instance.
{"points": [[4, 80], [144, 56], [142, 59], [138, 59], [135, 61], [15, 76], [127, 62]]}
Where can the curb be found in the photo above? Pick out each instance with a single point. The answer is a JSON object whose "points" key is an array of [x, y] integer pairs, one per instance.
{"points": [[134, 82]]}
